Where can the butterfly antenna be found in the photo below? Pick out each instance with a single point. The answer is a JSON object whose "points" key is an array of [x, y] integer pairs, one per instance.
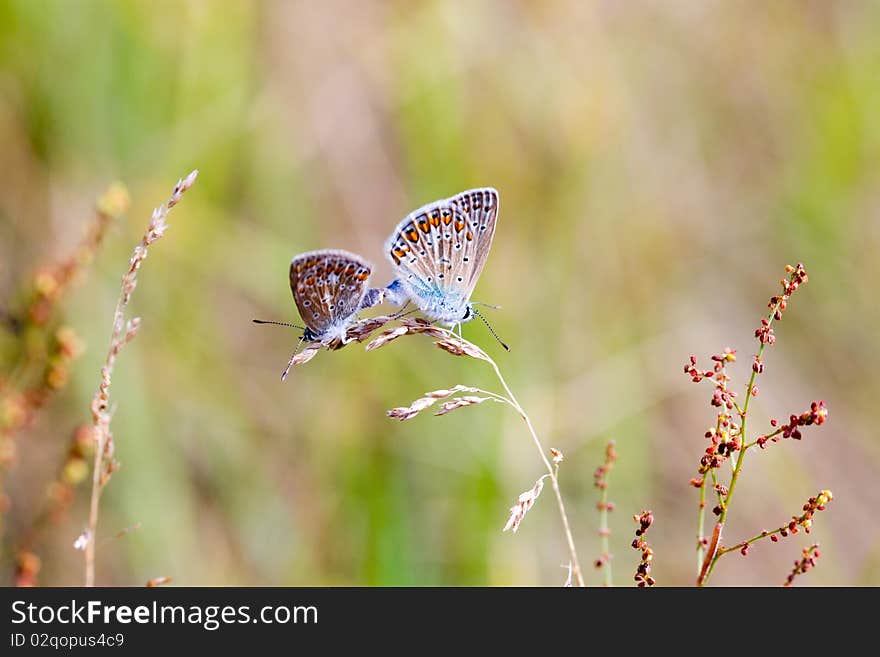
{"points": [[491, 330], [269, 321], [487, 305], [290, 362]]}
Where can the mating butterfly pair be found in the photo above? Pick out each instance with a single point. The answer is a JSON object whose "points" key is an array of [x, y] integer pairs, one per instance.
{"points": [[437, 251]]}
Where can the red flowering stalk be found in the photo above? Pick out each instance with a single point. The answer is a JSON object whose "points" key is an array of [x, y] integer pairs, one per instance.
{"points": [[600, 478], [643, 572], [803, 521], [807, 561], [728, 436]]}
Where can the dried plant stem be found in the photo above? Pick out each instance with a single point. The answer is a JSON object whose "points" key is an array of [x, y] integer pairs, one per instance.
{"points": [[711, 555], [122, 333], [552, 473]]}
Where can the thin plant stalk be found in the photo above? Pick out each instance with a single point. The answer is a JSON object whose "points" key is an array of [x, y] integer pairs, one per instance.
{"points": [[551, 471], [701, 527], [457, 346], [603, 534], [123, 331]]}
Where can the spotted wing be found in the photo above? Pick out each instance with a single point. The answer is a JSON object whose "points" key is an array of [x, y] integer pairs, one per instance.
{"points": [[443, 246], [328, 286]]}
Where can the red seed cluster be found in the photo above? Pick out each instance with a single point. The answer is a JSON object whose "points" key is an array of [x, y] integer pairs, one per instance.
{"points": [[805, 520], [725, 442], [764, 333], [808, 560], [797, 276], [643, 572], [817, 415]]}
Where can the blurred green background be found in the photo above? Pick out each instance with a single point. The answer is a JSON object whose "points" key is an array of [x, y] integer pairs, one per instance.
{"points": [[659, 163]]}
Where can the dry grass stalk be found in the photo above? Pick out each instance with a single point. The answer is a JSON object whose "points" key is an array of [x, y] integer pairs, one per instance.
{"points": [[457, 346], [123, 332]]}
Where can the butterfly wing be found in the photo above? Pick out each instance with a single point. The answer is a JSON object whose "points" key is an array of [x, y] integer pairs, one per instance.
{"points": [[328, 287], [480, 207], [440, 249]]}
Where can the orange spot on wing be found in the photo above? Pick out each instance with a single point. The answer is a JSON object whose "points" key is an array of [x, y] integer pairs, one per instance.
{"points": [[412, 236], [469, 236], [447, 219], [435, 221], [459, 225], [363, 275], [350, 270], [423, 226], [310, 280]]}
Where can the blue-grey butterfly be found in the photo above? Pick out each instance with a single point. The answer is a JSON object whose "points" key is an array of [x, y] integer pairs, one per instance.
{"points": [[438, 253], [329, 288]]}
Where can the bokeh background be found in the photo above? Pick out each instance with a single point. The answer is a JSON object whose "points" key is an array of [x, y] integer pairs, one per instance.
{"points": [[659, 163]]}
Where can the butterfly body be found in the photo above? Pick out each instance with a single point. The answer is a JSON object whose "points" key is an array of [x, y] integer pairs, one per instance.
{"points": [[439, 251], [328, 288]]}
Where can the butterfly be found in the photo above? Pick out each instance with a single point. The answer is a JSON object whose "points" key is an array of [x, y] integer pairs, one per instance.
{"points": [[438, 253], [329, 287]]}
